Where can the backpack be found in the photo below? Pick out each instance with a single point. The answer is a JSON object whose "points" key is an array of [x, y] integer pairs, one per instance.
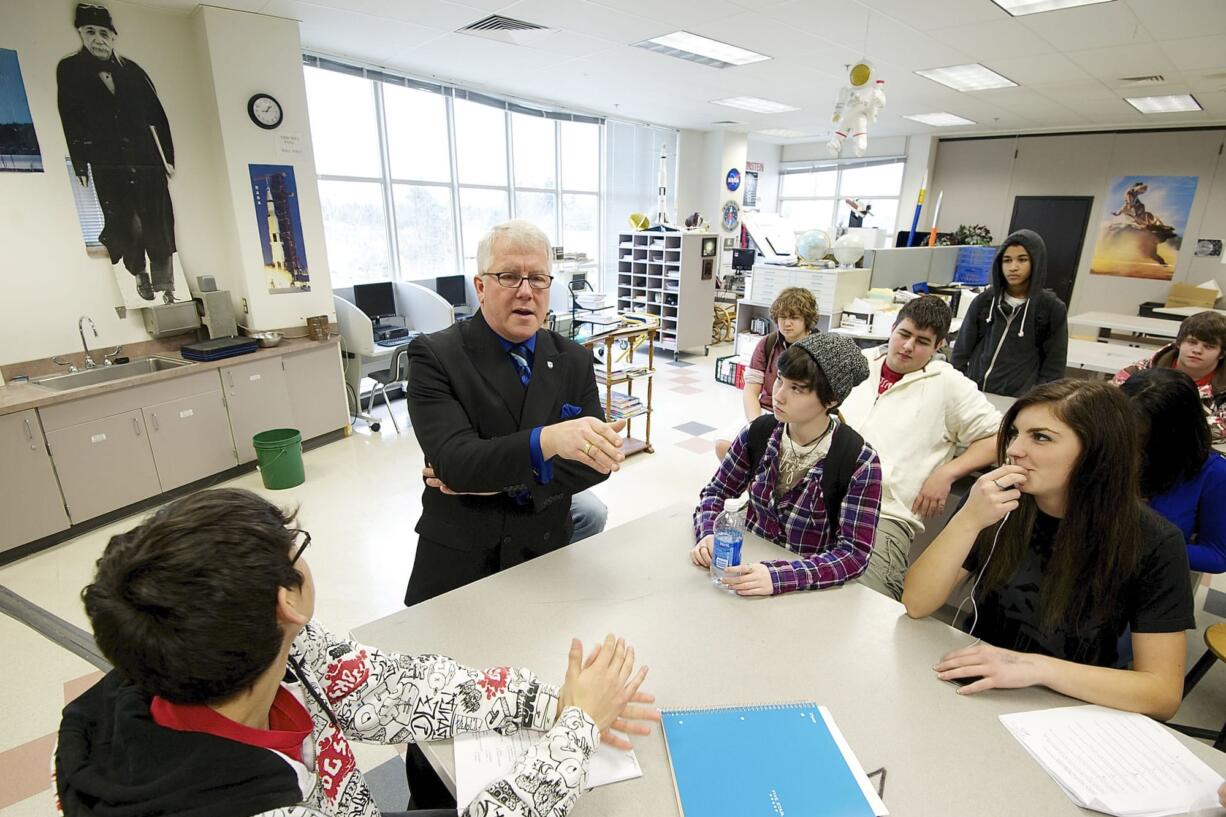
{"points": [[841, 462]]}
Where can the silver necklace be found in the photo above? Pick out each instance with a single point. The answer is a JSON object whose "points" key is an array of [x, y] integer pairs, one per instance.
{"points": [[792, 457]]}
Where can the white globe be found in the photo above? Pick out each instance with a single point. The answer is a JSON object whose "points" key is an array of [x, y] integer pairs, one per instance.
{"points": [[848, 249], [812, 245]]}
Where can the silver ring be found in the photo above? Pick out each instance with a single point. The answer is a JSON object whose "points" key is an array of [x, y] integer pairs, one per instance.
{"points": [[996, 482]]}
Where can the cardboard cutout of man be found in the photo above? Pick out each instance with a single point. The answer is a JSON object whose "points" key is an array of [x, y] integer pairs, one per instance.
{"points": [[115, 126]]}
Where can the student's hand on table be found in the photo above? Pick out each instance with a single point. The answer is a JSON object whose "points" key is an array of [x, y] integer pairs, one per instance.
{"points": [[585, 440], [932, 495], [700, 554], [603, 687], [749, 580], [994, 494], [996, 668], [432, 481]]}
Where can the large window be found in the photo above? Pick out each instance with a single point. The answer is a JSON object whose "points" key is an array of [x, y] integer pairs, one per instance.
{"points": [[816, 195], [411, 174]]}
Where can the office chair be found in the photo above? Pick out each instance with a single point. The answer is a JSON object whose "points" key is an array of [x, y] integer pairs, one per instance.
{"points": [[397, 372], [576, 286]]}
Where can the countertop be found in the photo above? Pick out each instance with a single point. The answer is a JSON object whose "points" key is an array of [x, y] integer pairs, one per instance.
{"points": [[19, 396]]}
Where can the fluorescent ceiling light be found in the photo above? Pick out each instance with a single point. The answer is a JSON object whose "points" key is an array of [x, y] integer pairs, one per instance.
{"points": [[687, 46], [784, 133], [939, 120], [1020, 8], [1176, 103], [755, 104], [973, 77]]}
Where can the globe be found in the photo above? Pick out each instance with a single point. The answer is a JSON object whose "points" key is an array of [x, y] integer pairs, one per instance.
{"points": [[848, 249], [812, 245]]}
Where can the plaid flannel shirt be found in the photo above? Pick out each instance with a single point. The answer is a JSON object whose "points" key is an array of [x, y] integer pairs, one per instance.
{"points": [[1212, 395], [796, 520]]}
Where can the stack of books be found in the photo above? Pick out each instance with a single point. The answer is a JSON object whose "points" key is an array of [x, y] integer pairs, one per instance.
{"points": [[620, 372], [623, 405]]}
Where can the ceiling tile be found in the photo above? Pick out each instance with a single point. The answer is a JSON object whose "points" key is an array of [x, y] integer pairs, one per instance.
{"points": [[925, 16], [474, 59], [1197, 53], [1073, 93], [1172, 19], [992, 41], [835, 21], [437, 14], [1099, 26], [893, 43], [358, 35], [1122, 61], [1050, 68], [1200, 82], [764, 35], [589, 18], [682, 14]]}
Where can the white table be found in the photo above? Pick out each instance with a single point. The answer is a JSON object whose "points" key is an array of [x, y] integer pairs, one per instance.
{"points": [[848, 648], [1106, 322], [1186, 311], [1106, 358]]}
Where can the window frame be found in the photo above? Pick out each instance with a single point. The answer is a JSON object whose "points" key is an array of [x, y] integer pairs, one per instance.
{"points": [[839, 165], [379, 80]]}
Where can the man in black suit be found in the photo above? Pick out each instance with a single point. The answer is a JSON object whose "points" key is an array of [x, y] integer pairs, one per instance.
{"points": [[115, 125], [509, 420]]}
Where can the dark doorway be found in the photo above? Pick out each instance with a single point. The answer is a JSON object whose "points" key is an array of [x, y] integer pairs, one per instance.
{"points": [[1062, 222]]}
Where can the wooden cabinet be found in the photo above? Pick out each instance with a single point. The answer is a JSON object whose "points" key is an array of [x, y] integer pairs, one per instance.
{"points": [[258, 400], [31, 505], [316, 387], [104, 464], [190, 438]]}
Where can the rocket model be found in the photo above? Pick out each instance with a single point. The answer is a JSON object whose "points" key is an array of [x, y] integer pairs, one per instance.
{"points": [[661, 216]]}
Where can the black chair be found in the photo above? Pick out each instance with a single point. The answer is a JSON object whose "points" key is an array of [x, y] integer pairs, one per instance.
{"points": [[577, 309], [1215, 643], [396, 372]]}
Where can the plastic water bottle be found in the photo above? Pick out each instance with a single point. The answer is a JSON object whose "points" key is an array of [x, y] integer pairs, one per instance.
{"points": [[726, 551]]}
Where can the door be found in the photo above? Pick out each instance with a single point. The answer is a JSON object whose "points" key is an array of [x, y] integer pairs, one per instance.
{"points": [[190, 438], [1062, 222], [316, 391], [31, 505], [258, 399], [104, 464]]}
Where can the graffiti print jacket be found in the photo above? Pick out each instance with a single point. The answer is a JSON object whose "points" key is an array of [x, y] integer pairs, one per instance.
{"points": [[113, 759]]}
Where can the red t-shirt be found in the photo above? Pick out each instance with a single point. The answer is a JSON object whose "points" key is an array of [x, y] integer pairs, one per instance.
{"points": [[768, 366], [888, 378], [1206, 380], [289, 723]]}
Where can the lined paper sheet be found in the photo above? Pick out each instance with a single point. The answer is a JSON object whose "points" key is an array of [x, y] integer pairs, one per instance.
{"points": [[1116, 762], [482, 757]]}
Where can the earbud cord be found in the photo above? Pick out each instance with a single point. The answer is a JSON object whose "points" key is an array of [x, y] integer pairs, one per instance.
{"points": [[975, 586]]}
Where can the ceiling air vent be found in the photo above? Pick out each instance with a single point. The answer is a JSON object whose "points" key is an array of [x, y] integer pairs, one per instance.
{"points": [[727, 122], [1133, 82], [507, 30]]}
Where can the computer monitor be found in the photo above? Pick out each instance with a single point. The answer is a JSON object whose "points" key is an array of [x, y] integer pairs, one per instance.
{"points": [[974, 266], [452, 288], [376, 300], [743, 259]]}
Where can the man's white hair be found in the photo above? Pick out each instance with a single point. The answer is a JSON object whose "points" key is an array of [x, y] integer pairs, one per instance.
{"points": [[516, 233]]}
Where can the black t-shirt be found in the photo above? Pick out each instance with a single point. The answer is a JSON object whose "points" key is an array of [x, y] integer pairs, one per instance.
{"points": [[1156, 599]]}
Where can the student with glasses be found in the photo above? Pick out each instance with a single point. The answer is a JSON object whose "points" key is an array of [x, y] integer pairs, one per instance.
{"points": [[509, 420], [228, 697]]}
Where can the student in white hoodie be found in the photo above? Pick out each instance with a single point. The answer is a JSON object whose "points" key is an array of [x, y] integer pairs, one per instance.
{"points": [[917, 413]]}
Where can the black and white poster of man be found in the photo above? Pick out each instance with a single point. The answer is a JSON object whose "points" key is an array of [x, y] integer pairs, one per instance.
{"points": [[119, 141]]}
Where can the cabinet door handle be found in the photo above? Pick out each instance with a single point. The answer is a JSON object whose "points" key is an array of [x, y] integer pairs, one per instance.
{"points": [[29, 431], [136, 426], [154, 416], [231, 376]]}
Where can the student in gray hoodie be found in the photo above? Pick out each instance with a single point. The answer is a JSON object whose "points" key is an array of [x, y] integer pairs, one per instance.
{"points": [[1015, 334]]}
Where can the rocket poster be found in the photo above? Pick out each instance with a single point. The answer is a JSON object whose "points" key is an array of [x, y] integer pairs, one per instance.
{"points": [[275, 194]]}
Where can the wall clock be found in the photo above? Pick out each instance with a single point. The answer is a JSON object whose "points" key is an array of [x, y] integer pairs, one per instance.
{"points": [[265, 111]]}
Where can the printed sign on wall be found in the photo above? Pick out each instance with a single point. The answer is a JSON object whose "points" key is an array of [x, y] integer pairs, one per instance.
{"points": [[275, 195]]}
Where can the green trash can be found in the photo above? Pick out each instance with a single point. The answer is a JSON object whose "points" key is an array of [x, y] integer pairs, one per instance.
{"points": [[279, 452]]}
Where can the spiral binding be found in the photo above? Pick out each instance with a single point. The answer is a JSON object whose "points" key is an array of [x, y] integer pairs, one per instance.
{"points": [[753, 708]]}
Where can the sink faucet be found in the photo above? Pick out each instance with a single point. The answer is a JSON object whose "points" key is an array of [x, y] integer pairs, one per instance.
{"points": [[89, 361]]}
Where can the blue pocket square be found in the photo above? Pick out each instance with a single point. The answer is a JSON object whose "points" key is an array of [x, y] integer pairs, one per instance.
{"points": [[569, 411]]}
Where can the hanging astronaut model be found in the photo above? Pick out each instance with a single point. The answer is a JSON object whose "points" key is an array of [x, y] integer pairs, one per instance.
{"points": [[859, 103]]}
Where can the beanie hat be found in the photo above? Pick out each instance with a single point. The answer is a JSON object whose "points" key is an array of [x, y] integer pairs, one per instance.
{"points": [[90, 14], [840, 360]]}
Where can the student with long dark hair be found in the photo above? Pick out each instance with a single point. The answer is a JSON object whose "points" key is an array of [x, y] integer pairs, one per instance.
{"points": [[1065, 556], [1182, 477]]}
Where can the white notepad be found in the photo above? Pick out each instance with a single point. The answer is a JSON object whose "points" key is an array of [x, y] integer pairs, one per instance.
{"points": [[483, 757], [1116, 762]]}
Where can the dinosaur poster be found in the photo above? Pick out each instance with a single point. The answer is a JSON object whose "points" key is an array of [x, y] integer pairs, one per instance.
{"points": [[1143, 226]]}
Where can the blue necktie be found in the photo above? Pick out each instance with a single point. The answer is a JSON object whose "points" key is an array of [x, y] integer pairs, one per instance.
{"points": [[519, 354]]}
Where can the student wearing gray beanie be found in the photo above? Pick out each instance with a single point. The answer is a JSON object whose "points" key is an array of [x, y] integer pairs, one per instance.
{"points": [[814, 484]]}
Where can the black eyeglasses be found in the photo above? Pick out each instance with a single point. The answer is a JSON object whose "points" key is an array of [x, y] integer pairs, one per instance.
{"points": [[306, 540], [512, 280]]}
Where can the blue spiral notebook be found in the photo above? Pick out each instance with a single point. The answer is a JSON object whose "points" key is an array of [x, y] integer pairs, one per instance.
{"points": [[765, 760]]}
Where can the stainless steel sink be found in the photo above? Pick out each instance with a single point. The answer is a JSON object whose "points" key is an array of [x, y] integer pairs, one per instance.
{"points": [[107, 374]]}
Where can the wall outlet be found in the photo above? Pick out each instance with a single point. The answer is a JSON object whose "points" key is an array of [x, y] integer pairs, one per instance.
{"points": [[246, 311]]}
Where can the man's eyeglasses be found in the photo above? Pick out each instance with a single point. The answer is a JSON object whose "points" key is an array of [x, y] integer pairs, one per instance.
{"points": [[512, 280], [306, 540]]}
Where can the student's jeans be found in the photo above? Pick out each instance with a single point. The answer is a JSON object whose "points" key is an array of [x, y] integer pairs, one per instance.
{"points": [[587, 515]]}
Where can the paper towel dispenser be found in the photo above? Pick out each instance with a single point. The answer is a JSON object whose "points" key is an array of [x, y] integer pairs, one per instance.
{"points": [[165, 320]]}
